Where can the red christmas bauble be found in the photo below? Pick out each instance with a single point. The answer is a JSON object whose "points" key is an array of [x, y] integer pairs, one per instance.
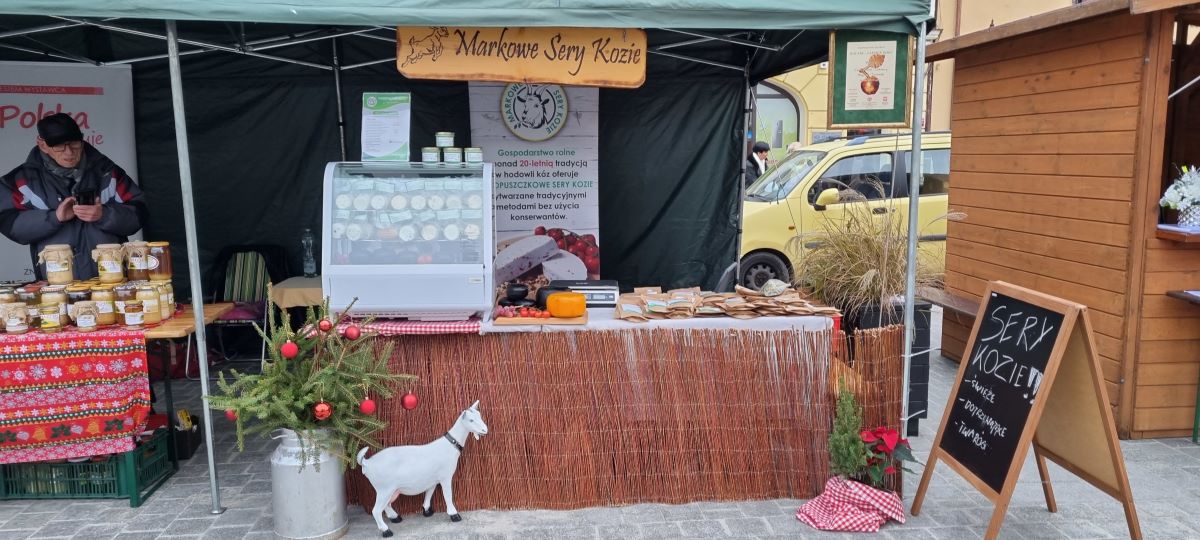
{"points": [[367, 406], [289, 350], [409, 401], [352, 332], [231, 415], [325, 325], [322, 410]]}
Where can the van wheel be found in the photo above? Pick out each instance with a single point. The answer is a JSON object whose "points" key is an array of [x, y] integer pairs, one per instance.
{"points": [[758, 268]]}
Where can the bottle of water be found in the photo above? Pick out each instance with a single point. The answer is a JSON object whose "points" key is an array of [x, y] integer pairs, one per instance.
{"points": [[310, 262]]}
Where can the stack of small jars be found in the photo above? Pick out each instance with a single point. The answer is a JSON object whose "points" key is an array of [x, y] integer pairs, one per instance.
{"points": [[133, 289]]}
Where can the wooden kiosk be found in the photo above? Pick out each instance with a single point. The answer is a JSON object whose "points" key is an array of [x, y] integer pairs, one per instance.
{"points": [[1064, 141]]}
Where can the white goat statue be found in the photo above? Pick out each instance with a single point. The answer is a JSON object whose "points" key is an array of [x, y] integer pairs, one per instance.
{"points": [[410, 470]]}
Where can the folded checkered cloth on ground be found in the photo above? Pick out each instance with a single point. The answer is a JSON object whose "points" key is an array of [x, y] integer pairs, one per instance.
{"points": [[846, 505]]}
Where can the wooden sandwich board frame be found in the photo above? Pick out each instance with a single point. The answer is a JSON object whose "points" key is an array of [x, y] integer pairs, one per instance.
{"points": [[1071, 423]]}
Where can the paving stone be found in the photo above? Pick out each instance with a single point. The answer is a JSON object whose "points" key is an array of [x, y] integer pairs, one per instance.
{"points": [[900, 533], [1079, 530], [635, 514], [17, 534], [226, 533], [703, 528], [29, 521], [148, 523], [723, 512], [136, 536], [1035, 531], [662, 529], [238, 516], [748, 526], [57, 529], [186, 526], [955, 533], [763, 509], [619, 532], [559, 533], [259, 536], [104, 531]]}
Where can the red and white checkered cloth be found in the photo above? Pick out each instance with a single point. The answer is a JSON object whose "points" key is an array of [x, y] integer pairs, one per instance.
{"points": [[846, 505], [395, 327]]}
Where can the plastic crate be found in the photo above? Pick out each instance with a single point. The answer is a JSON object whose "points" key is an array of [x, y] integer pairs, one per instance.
{"points": [[134, 475]]}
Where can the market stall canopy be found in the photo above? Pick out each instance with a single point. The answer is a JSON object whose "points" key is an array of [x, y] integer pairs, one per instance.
{"points": [[894, 15]]}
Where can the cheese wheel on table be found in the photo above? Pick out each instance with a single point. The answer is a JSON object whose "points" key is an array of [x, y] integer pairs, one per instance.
{"points": [[521, 256]]}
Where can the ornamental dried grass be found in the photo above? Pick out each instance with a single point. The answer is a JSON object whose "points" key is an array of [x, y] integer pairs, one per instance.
{"points": [[861, 258]]}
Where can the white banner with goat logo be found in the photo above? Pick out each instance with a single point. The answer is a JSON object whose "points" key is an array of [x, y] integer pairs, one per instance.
{"points": [[543, 142]]}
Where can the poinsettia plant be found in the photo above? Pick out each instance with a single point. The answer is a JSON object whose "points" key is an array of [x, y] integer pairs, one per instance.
{"points": [[886, 453]]}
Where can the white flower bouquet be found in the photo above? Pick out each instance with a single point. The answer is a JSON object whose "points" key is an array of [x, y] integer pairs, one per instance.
{"points": [[1184, 191]]}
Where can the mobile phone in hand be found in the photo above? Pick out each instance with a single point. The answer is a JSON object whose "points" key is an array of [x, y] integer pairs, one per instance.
{"points": [[86, 197]]}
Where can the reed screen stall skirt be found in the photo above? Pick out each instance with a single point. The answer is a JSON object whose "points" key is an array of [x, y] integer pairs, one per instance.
{"points": [[600, 418]]}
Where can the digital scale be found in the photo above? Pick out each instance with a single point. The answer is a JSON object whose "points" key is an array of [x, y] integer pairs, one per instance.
{"points": [[598, 293]]}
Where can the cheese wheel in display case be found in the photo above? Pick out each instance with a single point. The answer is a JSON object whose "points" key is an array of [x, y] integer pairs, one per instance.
{"points": [[337, 230], [343, 201], [379, 202], [471, 231], [454, 202], [450, 232], [407, 233], [436, 202], [362, 201], [399, 202], [429, 232], [474, 201], [359, 231], [417, 202]]}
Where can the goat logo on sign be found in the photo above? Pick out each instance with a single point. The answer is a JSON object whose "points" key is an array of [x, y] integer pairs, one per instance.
{"points": [[430, 45], [534, 112]]}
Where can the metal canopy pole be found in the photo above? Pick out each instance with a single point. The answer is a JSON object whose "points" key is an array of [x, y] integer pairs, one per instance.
{"points": [[193, 250], [914, 198], [337, 92], [741, 202]]}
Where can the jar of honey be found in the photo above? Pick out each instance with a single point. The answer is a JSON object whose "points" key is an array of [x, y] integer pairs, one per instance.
{"points": [[133, 315], [51, 320], [86, 316], [15, 317], [56, 295], [104, 298], [136, 267], [158, 261], [123, 294], [7, 296], [58, 263], [75, 294], [32, 297], [110, 261], [151, 312]]}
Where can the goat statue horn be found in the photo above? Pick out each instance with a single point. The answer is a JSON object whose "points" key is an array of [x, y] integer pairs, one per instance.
{"points": [[475, 406]]}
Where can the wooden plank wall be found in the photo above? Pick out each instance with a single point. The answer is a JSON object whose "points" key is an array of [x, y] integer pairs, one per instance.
{"points": [[1045, 133], [1167, 364]]}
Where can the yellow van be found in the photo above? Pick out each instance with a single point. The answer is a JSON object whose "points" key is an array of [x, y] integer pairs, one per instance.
{"points": [[801, 191]]}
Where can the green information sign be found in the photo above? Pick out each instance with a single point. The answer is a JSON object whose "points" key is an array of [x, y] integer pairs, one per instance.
{"points": [[870, 83]]}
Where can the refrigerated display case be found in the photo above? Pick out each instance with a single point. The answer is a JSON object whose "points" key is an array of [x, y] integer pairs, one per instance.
{"points": [[407, 240]]}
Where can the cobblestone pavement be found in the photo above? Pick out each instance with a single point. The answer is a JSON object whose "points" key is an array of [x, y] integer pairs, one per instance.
{"points": [[1165, 476]]}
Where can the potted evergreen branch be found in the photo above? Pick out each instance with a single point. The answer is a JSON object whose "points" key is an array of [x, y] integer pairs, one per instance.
{"points": [[317, 393], [857, 456]]}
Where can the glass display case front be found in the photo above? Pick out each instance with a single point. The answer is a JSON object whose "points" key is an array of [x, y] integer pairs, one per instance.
{"points": [[407, 214]]}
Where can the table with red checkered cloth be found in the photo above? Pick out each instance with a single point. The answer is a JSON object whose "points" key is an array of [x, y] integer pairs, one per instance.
{"points": [[71, 394], [389, 327], [851, 506]]}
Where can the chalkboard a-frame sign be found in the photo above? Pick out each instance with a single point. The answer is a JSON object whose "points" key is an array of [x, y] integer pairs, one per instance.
{"points": [[1031, 377]]}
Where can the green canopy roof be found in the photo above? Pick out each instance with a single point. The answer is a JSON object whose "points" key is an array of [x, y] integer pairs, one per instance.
{"points": [[895, 15]]}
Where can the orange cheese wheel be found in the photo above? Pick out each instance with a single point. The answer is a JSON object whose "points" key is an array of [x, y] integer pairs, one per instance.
{"points": [[566, 305]]}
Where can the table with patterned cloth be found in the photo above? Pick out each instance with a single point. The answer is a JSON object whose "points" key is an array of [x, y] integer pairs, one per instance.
{"points": [[71, 394], [398, 327]]}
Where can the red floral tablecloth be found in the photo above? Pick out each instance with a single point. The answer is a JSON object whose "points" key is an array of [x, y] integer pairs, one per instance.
{"points": [[71, 394]]}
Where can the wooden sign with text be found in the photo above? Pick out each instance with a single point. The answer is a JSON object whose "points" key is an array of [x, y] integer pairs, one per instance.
{"points": [[1031, 376], [609, 57]]}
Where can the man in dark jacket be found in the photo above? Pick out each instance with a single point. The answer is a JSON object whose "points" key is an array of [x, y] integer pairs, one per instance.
{"points": [[756, 162], [67, 192]]}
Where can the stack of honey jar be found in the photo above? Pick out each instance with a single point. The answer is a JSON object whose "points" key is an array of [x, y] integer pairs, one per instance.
{"points": [[133, 290]]}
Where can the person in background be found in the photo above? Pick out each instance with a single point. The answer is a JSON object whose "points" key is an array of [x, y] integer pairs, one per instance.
{"points": [[67, 192], [756, 163]]}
